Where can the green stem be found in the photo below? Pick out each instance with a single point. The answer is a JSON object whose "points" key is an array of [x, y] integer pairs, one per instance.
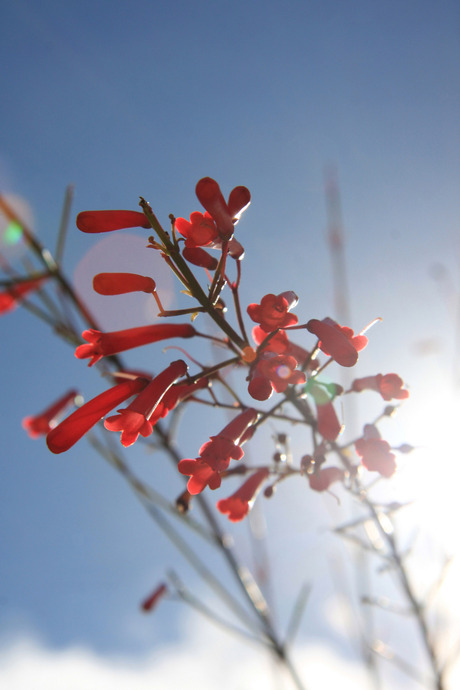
{"points": [[193, 285]]}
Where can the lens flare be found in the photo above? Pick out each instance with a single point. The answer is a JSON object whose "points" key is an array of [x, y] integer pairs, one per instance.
{"points": [[12, 245], [13, 233], [283, 372]]}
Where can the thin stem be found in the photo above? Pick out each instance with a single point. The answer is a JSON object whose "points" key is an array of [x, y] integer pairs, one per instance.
{"points": [[418, 609], [236, 301], [64, 224]]}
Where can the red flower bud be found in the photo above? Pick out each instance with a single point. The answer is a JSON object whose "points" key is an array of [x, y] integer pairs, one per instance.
{"points": [[237, 505], [107, 221], [42, 423], [153, 599], [323, 478], [200, 257], [121, 283], [12, 295]]}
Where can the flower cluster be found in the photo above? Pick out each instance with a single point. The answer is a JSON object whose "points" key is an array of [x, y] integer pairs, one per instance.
{"points": [[273, 364]]}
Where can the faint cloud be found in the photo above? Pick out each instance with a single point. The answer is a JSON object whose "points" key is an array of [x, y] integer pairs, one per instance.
{"points": [[203, 660]]}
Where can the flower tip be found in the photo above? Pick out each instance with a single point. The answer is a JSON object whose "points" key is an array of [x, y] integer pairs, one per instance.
{"points": [[238, 201], [206, 188], [55, 442], [152, 600]]}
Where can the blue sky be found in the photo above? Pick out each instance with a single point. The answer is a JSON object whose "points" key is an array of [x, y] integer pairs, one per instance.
{"points": [[144, 98]]}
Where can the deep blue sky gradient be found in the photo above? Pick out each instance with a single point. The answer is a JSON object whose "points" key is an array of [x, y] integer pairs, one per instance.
{"points": [[144, 98]]}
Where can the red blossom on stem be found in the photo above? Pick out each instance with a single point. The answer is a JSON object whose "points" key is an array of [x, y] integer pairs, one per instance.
{"points": [[139, 417], [324, 477], [41, 424], [107, 221], [215, 454], [74, 427], [389, 386], [201, 231], [339, 342], [274, 372], [106, 344], [273, 311], [11, 297], [375, 453], [237, 505], [152, 600], [122, 283], [225, 215]]}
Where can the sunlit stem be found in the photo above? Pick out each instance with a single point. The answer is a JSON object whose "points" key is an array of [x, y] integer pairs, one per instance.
{"points": [[236, 301], [157, 299], [323, 367], [174, 269], [221, 341], [64, 224], [370, 324], [417, 607], [212, 370], [218, 281], [181, 312], [266, 340]]}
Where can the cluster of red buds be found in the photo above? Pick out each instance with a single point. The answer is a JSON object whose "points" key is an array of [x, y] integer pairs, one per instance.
{"points": [[273, 363]]}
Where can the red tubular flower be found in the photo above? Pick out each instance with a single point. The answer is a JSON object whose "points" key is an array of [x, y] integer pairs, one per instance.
{"points": [[274, 371], [328, 424], [201, 475], [237, 505], [215, 454], [107, 221], [225, 215], [12, 296], [105, 344], [42, 423], [201, 231], [338, 342], [375, 453], [121, 283], [199, 257], [152, 600], [136, 418], [389, 386], [226, 445], [323, 478], [74, 427], [273, 311]]}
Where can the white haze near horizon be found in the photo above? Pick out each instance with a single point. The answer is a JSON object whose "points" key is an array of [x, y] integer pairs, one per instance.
{"points": [[201, 661]]}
